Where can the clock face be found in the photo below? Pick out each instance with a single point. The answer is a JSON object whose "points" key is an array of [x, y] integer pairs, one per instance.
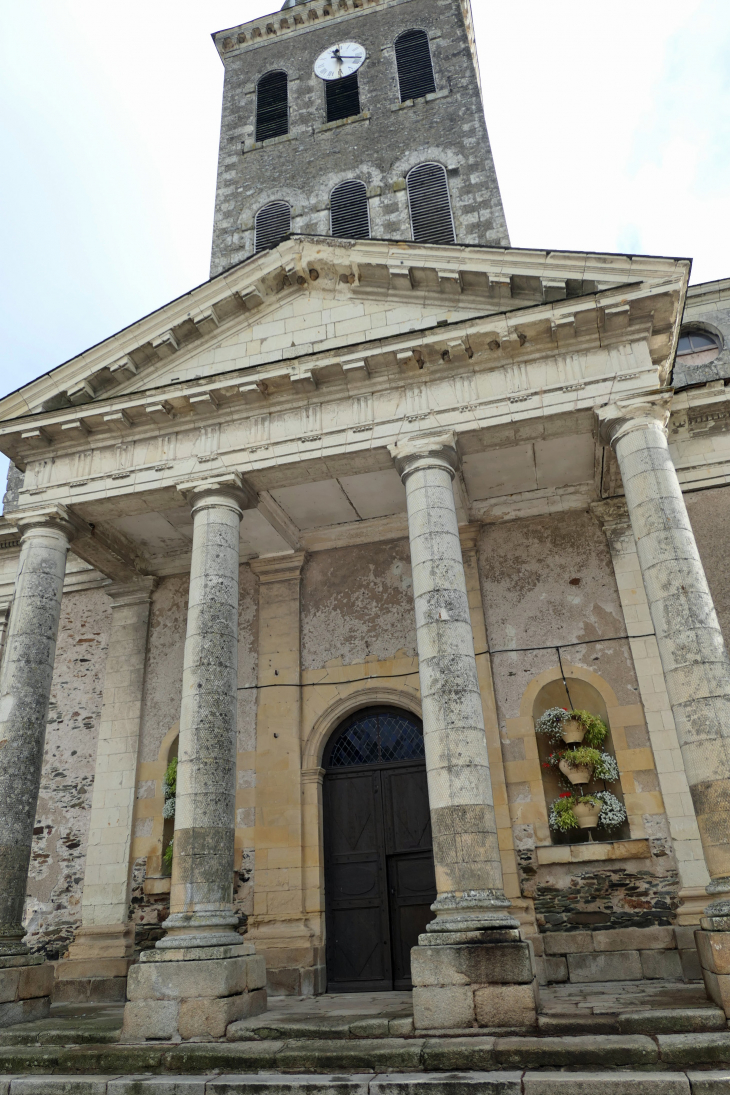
{"points": [[340, 60]]}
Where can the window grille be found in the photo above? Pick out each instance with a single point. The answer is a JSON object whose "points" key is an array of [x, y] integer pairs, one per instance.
{"points": [[415, 67], [273, 224], [349, 212], [343, 98], [430, 204], [272, 106]]}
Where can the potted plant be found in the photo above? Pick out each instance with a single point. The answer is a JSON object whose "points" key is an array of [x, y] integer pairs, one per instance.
{"points": [[560, 724], [583, 764], [572, 811]]}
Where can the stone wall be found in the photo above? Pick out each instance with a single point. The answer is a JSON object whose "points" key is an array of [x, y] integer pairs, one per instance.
{"points": [[55, 883], [379, 147]]}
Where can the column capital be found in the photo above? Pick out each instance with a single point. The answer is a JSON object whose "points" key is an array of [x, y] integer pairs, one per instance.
{"points": [[227, 489], [136, 592], [54, 516], [278, 568], [650, 411], [425, 451]]}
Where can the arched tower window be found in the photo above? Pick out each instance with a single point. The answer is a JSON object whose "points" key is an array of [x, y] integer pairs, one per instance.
{"points": [[349, 212], [415, 67], [273, 224], [430, 204], [343, 98], [272, 106]]}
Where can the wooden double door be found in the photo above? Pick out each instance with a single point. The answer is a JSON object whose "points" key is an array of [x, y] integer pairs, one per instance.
{"points": [[379, 874]]}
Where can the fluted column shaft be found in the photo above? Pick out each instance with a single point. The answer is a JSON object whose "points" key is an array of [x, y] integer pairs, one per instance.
{"points": [[25, 689], [466, 851], [201, 895], [691, 646]]}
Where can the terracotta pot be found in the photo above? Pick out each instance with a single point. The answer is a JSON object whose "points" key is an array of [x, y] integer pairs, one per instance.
{"points": [[576, 775], [586, 814], [573, 731]]}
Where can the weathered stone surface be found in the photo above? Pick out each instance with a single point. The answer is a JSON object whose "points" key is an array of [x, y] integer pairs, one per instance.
{"points": [[506, 963], [556, 970], [370, 1028], [181, 980], [630, 939], [59, 1085], [594, 1051], [381, 1055], [709, 1083], [401, 1028], [718, 989], [505, 1006], [24, 1011], [159, 1085], [256, 973], [580, 1024], [612, 966], [23, 1060], [150, 1019], [474, 1053], [211, 1016], [677, 1050], [568, 942], [35, 981], [671, 1020], [436, 1083], [443, 1007], [713, 949], [9, 980], [233, 1084], [602, 1083], [662, 965], [691, 968], [211, 1056]]}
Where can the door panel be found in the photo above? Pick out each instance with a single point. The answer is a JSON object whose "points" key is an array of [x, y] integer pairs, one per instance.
{"points": [[379, 874], [412, 887], [358, 934]]}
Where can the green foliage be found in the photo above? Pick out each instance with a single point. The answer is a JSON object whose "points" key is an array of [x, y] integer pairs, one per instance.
{"points": [[167, 859], [171, 778], [561, 816], [581, 757], [595, 728]]}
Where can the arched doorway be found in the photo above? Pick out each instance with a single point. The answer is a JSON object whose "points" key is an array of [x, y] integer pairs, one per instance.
{"points": [[379, 875]]}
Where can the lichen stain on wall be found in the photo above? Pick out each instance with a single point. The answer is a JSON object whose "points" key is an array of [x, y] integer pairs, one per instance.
{"points": [[546, 581], [55, 881], [357, 603], [709, 512], [164, 668]]}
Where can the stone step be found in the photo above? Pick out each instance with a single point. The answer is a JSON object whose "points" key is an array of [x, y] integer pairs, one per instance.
{"points": [[519, 1082], [392, 1055]]}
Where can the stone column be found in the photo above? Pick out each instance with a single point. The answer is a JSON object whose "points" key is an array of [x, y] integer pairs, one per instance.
{"points": [[25, 689], [202, 969], [470, 966], [691, 649], [95, 967]]}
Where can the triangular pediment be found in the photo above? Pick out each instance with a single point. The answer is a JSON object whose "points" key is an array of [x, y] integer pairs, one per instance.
{"points": [[312, 296]]}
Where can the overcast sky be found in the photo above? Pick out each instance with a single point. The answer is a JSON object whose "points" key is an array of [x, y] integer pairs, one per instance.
{"points": [[610, 124]]}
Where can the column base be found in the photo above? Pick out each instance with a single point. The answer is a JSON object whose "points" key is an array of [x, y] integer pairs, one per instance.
{"points": [[713, 949], [95, 965], [192, 993], [474, 979], [26, 983]]}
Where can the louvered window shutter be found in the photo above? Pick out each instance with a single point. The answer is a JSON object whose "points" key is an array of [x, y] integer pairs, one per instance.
{"points": [[349, 211], [343, 98], [430, 204], [272, 106], [415, 67], [273, 224]]}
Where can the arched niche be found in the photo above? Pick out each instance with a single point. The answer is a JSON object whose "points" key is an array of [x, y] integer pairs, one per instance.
{"points": [[575, 693]]}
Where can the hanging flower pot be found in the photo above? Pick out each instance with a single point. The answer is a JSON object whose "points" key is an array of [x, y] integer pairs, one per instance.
{"points": [[581, 773], [573, 731], [587, 813]]}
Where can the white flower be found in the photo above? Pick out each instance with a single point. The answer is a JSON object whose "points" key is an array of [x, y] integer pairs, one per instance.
{"points": [[613, 812], [168, 810]]}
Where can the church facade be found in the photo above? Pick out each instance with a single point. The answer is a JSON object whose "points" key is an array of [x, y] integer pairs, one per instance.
{"points": [[304, 574]]}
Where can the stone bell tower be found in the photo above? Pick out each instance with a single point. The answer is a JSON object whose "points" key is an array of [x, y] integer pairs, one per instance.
{"points": [[402, 123]]}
